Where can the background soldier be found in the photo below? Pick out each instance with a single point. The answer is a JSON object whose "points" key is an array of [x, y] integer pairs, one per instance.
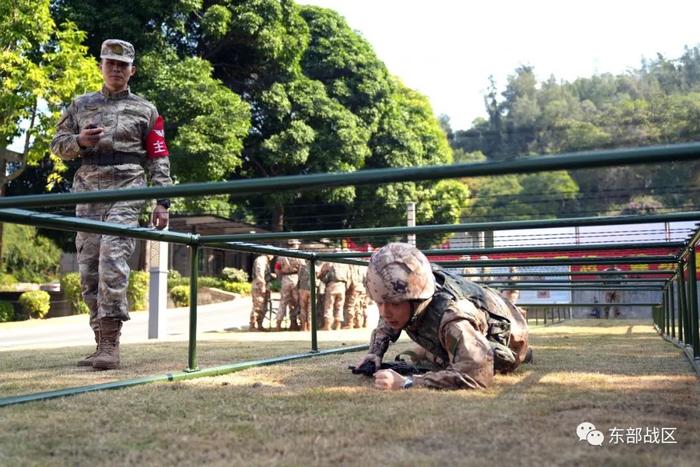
{"points": [[260, 292], [289, 293], [355, 308], [334, 275], [612, 297], [305, 294], [114, 133]]}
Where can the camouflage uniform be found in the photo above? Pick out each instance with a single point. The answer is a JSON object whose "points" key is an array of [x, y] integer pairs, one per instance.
{"points": [[260, 292], [355, 308], [335, 276], [458, 337], [612, 297], [128, 121], [305, 295], [289, 294]]}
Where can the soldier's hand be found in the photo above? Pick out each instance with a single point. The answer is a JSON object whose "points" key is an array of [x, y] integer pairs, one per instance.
{"points": [[160, 217], [388, 380], [372, 358], [89, 137]]}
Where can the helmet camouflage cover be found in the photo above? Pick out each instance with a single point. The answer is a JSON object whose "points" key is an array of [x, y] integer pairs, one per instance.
{"points": [[398, 272]]}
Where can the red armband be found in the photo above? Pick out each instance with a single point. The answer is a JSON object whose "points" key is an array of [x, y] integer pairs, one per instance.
{"points": [[155, 141]]}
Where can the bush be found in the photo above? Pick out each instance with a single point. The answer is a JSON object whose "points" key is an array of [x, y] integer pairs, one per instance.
{"points": [[180, 295], [234, 275], [7, 311], [28, 256], [242, 288], [177, 281], [137, 291], [35, 303], [7, 281], [208, 281], [70, 285]]}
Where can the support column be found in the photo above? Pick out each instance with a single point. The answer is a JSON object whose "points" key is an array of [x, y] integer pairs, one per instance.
{"points": [[158, 290], [194, 274], [411, 216], [693, 297], [314, 321]]}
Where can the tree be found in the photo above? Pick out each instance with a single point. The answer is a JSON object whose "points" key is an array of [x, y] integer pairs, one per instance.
{"points": [[42, 67], [206, 123]]}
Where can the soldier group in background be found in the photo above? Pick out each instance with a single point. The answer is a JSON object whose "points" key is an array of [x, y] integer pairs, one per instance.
{"points": [[340, 290]]}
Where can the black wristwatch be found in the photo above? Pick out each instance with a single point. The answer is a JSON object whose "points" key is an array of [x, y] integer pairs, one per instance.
{"points": [[164, 202]]}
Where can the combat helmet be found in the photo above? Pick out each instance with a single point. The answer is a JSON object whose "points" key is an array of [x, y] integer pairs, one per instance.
{"points": [[399, 272]]}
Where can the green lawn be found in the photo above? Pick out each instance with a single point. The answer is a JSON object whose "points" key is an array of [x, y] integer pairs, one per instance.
{"points": [[614, 374]]}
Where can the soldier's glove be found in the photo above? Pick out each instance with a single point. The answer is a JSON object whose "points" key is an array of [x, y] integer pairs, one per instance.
{"points": [[368, 368], [402, 368]]}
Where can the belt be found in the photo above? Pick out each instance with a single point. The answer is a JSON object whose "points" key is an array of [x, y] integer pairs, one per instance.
{"points": [[114, 158]]}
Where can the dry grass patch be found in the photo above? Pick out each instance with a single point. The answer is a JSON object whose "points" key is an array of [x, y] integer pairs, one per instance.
{"points": [[315, 412]]}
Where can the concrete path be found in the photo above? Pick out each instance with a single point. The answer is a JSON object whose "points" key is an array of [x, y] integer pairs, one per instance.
{"points": [[75, 331]]}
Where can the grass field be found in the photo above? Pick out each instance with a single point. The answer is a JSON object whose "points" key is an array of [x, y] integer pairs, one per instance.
{"points": [[614, 374]]}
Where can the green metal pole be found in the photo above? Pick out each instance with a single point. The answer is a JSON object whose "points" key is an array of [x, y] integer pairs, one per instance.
{"points": [[314, 323], [693, 296], [672, 301], [664, 308], [684, 335], [194, 274]]}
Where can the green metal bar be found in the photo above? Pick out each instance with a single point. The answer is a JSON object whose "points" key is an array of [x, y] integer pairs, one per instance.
{"points": [[453, 228], [314, 321], [672, 302], [591, 304], [263, 249], [552, 261], [73, 224], [686, 302], [681, 302], [693, 241], [178, 376], [194, 276], [693, 296], [573, 287], [568, 273], [576, 281], [244, 188]]}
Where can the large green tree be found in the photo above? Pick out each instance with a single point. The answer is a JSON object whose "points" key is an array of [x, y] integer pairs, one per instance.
{"points": [[320, 100], [42, 66]]}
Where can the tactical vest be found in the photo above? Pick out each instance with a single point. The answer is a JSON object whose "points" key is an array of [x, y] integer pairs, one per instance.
{"points": [[424, 328]]}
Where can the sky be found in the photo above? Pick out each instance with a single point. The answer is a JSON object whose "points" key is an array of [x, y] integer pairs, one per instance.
{"points": [[447, 49]]}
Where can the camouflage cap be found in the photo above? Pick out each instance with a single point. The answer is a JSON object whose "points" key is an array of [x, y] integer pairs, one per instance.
{"points": [[117, 49]]}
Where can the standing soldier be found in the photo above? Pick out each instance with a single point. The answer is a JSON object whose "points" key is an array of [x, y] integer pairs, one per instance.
{"points": [[260, 293], [355, 311], [305, 294], [114, 133], [334, 275], [289, 294], [360, 281], [511, 292], [612, 296]]}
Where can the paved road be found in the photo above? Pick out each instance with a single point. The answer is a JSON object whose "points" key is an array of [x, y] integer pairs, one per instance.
{"points": [[74, 330]]}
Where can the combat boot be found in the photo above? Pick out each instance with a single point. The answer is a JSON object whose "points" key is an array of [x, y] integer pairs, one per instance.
{"points": [[108, 355], [87, 361], [326, 326], [336, 325], [294, 326]]}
